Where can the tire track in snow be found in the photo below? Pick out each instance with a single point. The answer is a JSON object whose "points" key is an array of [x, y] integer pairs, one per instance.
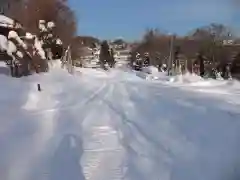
{"points": [[51, 131], [24, 164], [103, 154], [140, 161]]}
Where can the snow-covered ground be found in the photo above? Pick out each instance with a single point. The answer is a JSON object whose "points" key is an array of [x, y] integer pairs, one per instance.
{"points": [[116, 125]]}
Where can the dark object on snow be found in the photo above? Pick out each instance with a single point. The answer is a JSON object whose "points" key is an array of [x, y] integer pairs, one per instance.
{"points": [[235, 66], [16, 70], [39, 87], [57, 51]]}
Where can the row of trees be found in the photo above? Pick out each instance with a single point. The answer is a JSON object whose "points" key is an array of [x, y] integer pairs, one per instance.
{"points": [[207, 42]]}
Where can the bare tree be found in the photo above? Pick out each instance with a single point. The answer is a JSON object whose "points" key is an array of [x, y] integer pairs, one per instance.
{"points": [[207, 41], [156, 44], [211, 40], [217, 32]]}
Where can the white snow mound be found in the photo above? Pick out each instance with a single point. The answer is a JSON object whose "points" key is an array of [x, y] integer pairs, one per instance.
{"points": [[186, 78]]}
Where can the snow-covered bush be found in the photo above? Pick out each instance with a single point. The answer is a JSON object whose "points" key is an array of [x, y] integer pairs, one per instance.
{"points": [[48, 39], [3, 43], [14, 36], [38, 46], [8, 46], [22, 50]]}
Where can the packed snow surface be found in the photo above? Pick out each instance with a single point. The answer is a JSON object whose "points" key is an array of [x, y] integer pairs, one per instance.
{"points": [[114, 125]]}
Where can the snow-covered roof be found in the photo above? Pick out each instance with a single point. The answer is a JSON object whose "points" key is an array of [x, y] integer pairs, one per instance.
{"points": [[6, 20]]}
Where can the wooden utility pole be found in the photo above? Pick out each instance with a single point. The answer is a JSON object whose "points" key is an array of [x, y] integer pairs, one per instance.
{"points": [[170, 59]]}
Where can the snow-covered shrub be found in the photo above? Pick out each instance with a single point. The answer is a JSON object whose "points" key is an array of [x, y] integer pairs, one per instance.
{"points": [[3, 43], [7, 46], [50, 42], [13, 35]]}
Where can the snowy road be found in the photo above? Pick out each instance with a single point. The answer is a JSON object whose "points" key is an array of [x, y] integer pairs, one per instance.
{"points": [[100, 126]]}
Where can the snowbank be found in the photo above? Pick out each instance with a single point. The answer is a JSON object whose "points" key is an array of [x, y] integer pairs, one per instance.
{"points": [[186, 78], [150, 70], [211, 86], [56, 64], [193, 82], [151, 73]]}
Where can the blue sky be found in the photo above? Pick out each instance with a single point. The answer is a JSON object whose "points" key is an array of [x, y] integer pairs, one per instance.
{"points": [[129, 19]]}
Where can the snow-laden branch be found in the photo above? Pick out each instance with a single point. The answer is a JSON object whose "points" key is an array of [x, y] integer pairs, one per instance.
{"points": [[14, 35], [37, 44], [39, 49], [8, 47]]}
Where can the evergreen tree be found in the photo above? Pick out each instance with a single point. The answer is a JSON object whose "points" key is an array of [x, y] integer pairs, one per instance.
{"points": [[105, 56], [201, 64]]}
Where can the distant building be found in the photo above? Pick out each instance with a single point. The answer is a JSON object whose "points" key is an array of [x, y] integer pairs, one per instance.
{"points": [[228, 42]]}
